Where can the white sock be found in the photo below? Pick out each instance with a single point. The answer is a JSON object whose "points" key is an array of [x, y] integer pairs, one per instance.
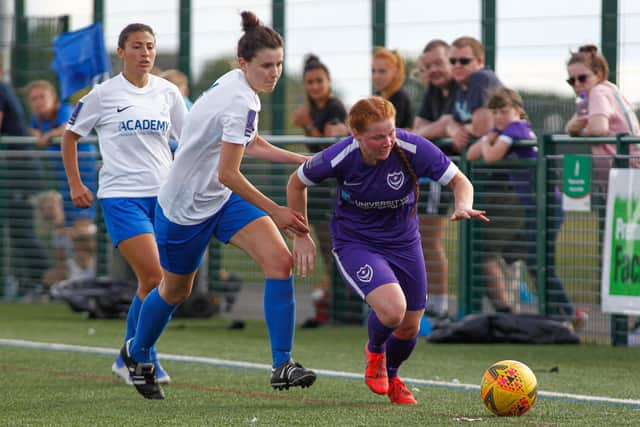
{"points": [[438, 303]]}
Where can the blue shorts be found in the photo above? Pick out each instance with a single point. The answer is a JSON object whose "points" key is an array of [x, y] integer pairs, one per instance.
{"points": [[182, 246], [364, 269], [127, 217]]}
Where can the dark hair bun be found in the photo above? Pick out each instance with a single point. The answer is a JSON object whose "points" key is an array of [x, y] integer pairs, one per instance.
{"points": [[311, 59], [588, 48], [249, 21]]}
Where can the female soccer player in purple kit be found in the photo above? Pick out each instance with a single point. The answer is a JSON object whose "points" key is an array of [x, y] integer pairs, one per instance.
{"points": [[376, 240]]}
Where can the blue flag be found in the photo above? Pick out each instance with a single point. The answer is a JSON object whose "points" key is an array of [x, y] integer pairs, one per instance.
{"points": [[81, 59]]}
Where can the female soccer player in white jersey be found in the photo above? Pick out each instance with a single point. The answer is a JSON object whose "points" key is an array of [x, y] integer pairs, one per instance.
{"points": [[206, 195], [133, 114], [376, 240]]}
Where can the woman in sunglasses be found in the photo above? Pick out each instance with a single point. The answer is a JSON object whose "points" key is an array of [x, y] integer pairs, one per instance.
{"points": [[608, 112]]}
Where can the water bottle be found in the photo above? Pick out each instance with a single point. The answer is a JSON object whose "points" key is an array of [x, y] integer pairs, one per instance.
{"points": [[582, 104]]}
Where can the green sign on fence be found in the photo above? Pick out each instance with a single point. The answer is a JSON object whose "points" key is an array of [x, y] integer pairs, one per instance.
{"points": [[621, 257], [625, 248], [576, 188]]}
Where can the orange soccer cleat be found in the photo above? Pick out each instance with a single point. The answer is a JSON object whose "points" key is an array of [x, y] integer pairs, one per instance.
{"points": [[375, 374], [399, 393]]}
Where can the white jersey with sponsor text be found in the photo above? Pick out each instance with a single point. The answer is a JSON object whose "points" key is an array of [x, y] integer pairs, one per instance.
{"points": [[227, 111], [133, 126]]}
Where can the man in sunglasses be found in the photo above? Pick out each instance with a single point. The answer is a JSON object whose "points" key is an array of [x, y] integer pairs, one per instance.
{"points": [[471, 119]]}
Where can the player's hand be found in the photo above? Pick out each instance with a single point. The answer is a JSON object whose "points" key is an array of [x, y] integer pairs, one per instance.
{"points": [[42, 140], [576, 125], [301, 116], [461, 139], [289, 221], [81, 196], [304, 254], [468, 214]]}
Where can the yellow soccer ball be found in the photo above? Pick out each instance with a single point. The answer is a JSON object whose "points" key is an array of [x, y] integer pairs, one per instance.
{"points": [[509, 387]]}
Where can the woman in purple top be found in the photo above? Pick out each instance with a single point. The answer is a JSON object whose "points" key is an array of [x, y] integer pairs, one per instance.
{"points": [[376, 241]]}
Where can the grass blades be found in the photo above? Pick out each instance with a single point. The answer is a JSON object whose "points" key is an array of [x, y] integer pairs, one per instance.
{"points": [[44, 387]]}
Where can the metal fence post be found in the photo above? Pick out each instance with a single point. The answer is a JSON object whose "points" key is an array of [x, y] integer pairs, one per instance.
{"points": [[489, 33], [609, 36], [98, 12], [184, 52], [279, 95], [465, 299], [378, 22], [546, 148]]}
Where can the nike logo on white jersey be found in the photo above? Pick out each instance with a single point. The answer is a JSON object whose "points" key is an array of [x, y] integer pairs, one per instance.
{"points": [[120, 110]]}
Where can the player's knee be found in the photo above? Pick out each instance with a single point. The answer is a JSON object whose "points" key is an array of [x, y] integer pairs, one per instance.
{"points": [[392, 315], [148, 283], [406, 332], [173, 294], [278, 265]]}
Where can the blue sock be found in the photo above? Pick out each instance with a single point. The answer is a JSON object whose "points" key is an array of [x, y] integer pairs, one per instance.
{"points": [[280, 315], [132, 317], [153, 352], [397, 352], [378, 333], [154, 317]]}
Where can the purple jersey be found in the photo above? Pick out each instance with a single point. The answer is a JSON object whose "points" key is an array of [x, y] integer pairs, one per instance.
{"points": [[520, 177], [374, 202], [516, 131]]}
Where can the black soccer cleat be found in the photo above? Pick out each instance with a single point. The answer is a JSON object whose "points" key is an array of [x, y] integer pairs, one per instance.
{"points": [[291, 374], [142, 375]]}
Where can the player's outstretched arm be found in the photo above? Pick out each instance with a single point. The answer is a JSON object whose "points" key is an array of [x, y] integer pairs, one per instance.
{"points": [[230, 175], [264, 150], [463, 192]]}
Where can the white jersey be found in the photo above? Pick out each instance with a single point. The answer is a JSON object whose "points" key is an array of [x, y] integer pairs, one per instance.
{"points": [[227, 111], [133, 126]]}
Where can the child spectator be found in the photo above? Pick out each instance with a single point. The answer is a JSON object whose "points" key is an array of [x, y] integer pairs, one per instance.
{"points": [[511, 234], [48, 121]]}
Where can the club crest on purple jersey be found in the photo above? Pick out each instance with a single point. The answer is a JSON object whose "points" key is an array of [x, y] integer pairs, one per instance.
{"points": [[365, 273], [395, 180]]}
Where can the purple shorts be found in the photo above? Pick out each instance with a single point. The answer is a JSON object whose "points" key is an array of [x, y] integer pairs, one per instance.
{"points": [[365, 268]]}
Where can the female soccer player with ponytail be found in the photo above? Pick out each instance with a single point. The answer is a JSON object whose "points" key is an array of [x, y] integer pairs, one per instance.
{"points": [[206, 195]]}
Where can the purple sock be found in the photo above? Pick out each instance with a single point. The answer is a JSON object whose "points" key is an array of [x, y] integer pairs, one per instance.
{"points": [[378, 333], [397, 352]]}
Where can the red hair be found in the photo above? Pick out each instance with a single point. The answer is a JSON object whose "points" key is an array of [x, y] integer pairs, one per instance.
{"points": [[370, 110], [397, 66]]}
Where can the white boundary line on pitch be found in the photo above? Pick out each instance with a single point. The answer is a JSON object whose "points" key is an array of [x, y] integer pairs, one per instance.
{"points": [[323, 372]]}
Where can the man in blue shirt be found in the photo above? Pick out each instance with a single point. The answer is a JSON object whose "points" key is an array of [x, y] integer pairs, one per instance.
{"points": [[470, 118]]}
